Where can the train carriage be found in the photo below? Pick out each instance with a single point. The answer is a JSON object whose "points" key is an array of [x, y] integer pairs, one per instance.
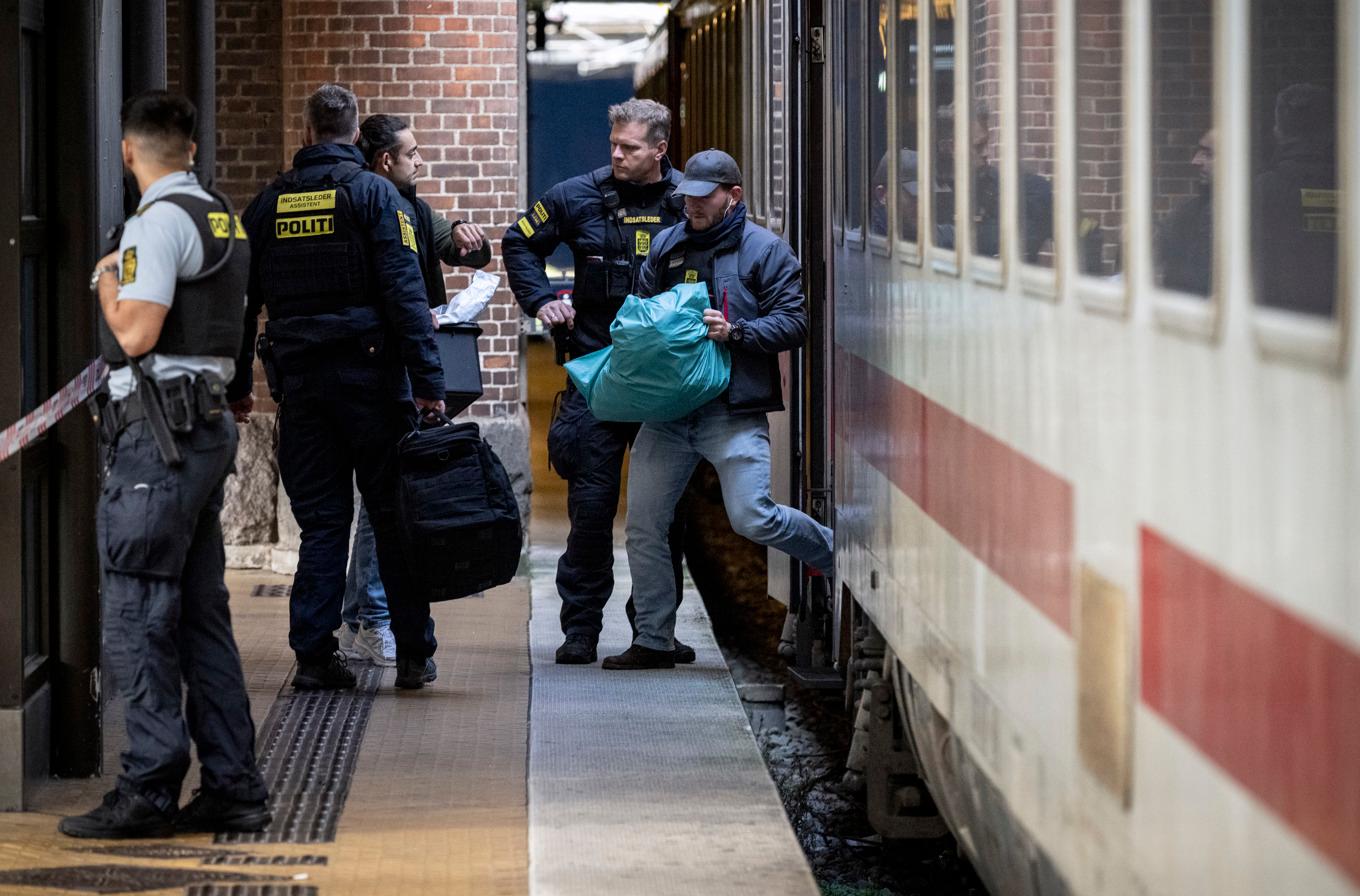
{"points": [[1080, 405]]}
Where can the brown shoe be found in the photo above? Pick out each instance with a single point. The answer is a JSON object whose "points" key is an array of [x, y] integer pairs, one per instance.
{"points": [[639, 657]]}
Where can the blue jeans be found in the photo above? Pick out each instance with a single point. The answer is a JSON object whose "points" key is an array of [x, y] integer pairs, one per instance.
{"points": [[664, 456], [365, 596]]}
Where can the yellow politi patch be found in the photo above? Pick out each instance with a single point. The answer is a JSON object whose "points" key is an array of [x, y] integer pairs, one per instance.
{"points": [[642, 242], [691, 276], [315, 201], [129, 266], [311, 225], [540, 214], [408, 233], [217, 223], [525, 227], [1319, 210]]}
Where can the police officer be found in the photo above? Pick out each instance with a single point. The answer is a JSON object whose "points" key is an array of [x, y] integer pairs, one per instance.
{"points": [[348, 347], [171, 297], [608, 217]]}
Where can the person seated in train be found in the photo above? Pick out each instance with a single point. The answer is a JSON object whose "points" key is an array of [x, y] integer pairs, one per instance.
{"points": [[1184, 246], [1036, 198], [754, 281], [1296, 205]]}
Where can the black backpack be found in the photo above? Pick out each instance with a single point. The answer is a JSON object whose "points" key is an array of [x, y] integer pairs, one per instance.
{"points": [[458, 512]]}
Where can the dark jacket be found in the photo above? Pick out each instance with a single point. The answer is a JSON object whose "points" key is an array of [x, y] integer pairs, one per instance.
{"points": [[764, 292], [397, 315], [1185, 245], [434, 237], [574, 212], [1294, 247]]}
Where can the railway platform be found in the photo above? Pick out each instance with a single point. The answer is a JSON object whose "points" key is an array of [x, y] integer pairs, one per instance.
{"points": [[508, 775]]}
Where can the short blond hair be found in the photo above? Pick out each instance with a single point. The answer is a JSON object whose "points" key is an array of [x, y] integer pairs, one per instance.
{"points": [[655, 116]]}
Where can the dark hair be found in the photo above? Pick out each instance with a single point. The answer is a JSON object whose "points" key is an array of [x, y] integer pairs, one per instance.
{"points": [[165, 120], [1305, 111], [333, 113], [379, 134]]}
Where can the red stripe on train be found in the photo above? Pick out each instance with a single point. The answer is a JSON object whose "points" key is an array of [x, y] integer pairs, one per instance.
{"points": [[1010, 512], [1270, 698]]}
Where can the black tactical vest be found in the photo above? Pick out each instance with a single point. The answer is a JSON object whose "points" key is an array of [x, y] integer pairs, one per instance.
{"points": [[313, 258], [208, 313], [605, 281]]}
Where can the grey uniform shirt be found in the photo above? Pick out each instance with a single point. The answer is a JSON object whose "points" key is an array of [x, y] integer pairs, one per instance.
{"points": [[160, 246]]}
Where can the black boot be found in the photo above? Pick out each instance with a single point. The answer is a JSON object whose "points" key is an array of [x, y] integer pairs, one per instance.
{"points": [[577, 650], [415, 673], [683, 653], [639, 657], [124, 814], [214, 813], [330, 674]]}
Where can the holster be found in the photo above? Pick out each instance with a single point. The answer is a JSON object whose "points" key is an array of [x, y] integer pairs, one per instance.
{"points": [[264, 350]]}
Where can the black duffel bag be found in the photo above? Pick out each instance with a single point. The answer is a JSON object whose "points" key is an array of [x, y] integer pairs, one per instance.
{"points": [[458, 512]]}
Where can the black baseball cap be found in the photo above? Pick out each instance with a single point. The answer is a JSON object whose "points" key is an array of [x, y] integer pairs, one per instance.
{"points": [[706, 171]]}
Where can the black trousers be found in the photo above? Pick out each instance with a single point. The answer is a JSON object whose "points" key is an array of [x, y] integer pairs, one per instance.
{"points": [[329, 437], [166, 625], [588, 453]]}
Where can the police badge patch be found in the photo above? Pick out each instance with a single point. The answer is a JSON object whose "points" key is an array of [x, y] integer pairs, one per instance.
{"points": [[129, 266]]}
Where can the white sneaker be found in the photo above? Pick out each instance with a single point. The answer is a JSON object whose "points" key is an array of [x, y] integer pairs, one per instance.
{"points": [[347, 636], [376, 645]]}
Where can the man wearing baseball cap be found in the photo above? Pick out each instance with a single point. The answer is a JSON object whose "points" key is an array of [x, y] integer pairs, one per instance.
{"points": [[758, 311]]}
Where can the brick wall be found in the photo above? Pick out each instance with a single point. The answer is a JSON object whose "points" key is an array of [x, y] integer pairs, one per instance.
{"points": [[1182, 96], [1100, 122]]}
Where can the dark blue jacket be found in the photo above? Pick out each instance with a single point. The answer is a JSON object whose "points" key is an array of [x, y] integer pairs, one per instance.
{"points": [[764, 291], [398, 316], [573, 212]]}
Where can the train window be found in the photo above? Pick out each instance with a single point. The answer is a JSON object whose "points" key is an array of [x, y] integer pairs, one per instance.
{"points": [[984, 130], [1183, 144], [908, 121], [1036, 87], [1295, 204], [775, 169], [853, 159], [942, 122], [880, 20], [1099, 130]]}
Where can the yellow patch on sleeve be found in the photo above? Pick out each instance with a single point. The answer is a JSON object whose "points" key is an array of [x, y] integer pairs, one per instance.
{"points": [[540, 214], [129, 266], [217, 223], [408, 233], [691, 276], [642, 242], [525, 227]]}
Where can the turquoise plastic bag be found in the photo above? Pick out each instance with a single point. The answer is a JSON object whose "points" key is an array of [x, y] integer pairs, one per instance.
{"points": [[662, 364]]}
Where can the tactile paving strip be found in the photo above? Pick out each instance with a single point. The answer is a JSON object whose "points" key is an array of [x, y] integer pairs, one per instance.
{"points": [[251, 890], [307, 750], [122, 878]]}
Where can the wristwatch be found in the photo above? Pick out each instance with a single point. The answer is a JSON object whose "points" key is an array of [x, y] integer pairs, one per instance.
{"points": [[738, 332], [100, 271]]}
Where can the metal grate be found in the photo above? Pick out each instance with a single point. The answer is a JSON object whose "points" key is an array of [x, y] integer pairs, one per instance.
{"points": [[240, 858], [272, 591], [124, 878], [154, 851], [308, 748], [251, 890]]}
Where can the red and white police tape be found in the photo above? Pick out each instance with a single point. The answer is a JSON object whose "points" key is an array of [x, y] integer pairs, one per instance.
{"points": [[44, 417]]}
